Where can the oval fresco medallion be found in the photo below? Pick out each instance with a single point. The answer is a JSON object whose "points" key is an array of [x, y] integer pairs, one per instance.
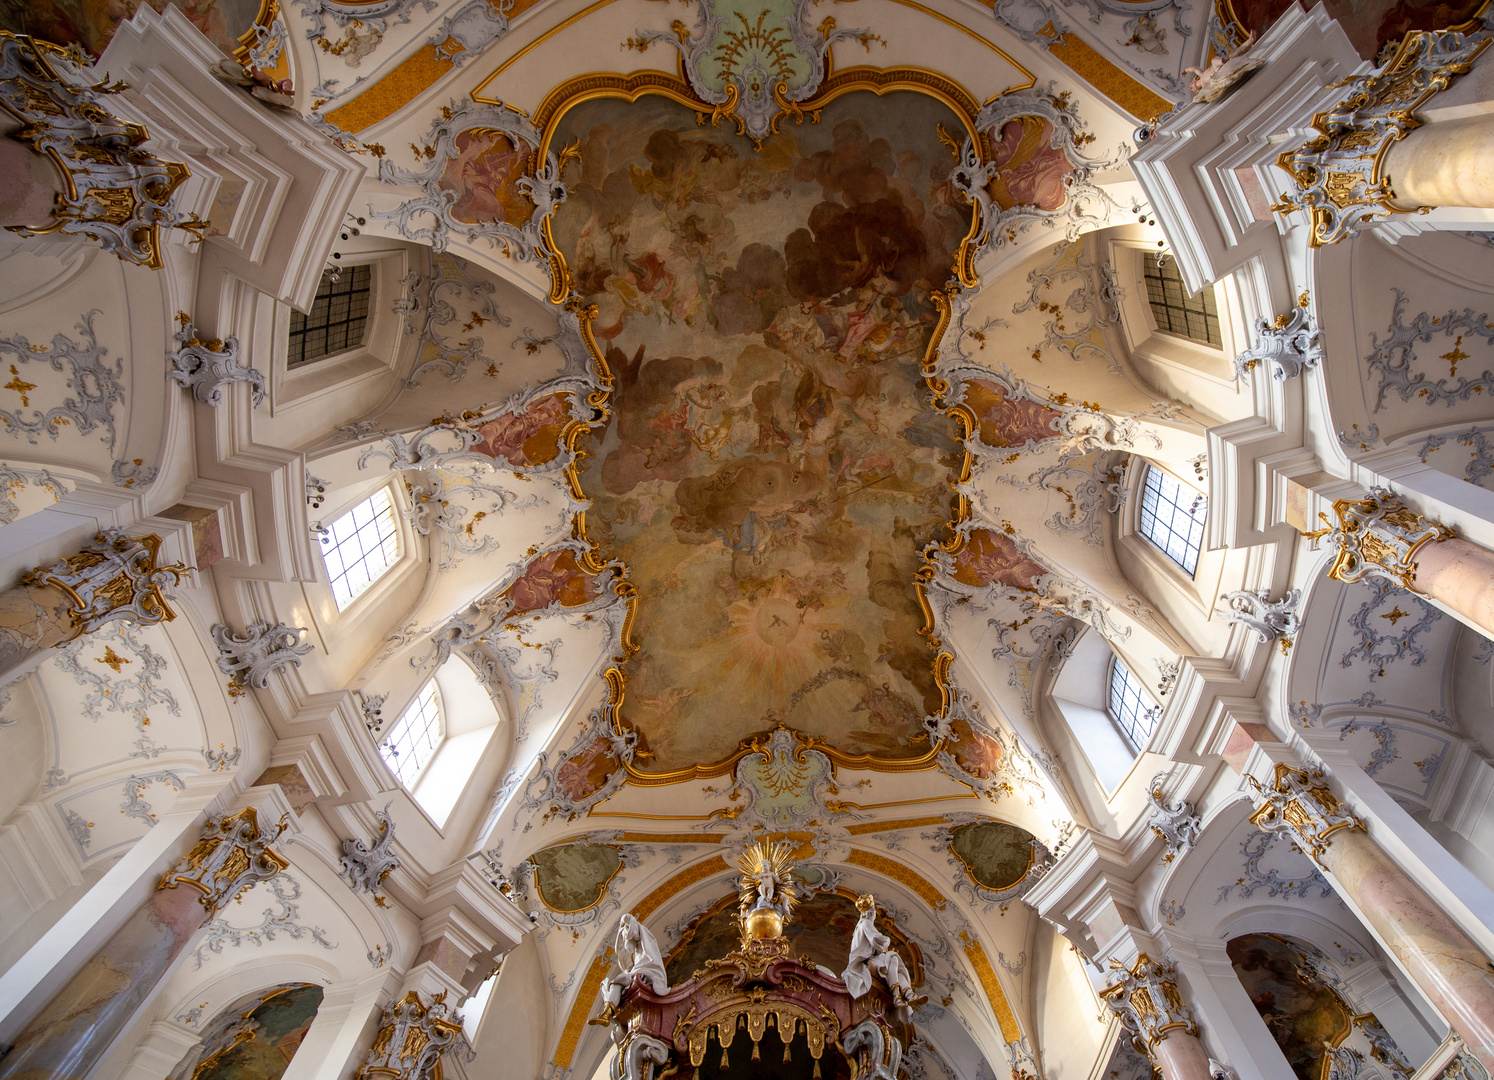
{"points": [[995, 854], [574, 877]]}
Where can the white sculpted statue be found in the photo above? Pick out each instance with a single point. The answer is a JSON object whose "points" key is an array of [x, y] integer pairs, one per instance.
{"points": [[637, 954], [766, 882], [872, 955], [1213, 82]]}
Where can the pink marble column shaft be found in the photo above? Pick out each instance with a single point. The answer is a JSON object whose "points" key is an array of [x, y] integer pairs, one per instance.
{"points": [[33, 619], [30, 183], [1445, 964], [1444, 163], [78, 1026], [1181, 1056], [1460, 574]]}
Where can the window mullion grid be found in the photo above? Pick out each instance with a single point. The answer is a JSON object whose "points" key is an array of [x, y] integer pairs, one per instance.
{"points": [[360, 547], [412, 741], [1173, 526], [1128, 706]]}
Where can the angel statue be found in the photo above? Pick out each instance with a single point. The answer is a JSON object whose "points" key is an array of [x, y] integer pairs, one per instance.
{"points": [[636, 953], [872, 955], [767, 880]]}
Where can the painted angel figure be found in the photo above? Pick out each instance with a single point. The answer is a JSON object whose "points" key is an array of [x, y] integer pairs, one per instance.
{"points": [[637, 953], [872, 956]]}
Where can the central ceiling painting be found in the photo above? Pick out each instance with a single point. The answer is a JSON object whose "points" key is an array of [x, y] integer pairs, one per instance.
{"points": [[771, 468]]}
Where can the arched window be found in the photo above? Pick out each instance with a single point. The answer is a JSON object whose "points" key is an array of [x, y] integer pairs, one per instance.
{"points": [[412, 741], [1172, 517], [1130, 707], [1195, 317], [360, 547], [337, 320]]}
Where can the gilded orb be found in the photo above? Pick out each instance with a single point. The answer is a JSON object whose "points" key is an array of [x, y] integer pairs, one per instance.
{"points": [[762, 923]]}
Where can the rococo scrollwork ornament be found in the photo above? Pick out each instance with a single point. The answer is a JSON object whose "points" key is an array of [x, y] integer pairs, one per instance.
{"points": [[1272, 620], [754, 76], [232, 856], [1302, 806], [249, 659], [412, 1037], [1175, 822], [207, 368], [365, 866], [1084, 205], [523, 238], [1146, 998], [115, 577], [114, 191], [1292, 344], [372, 14], [1339, 176], [1378, 537]]}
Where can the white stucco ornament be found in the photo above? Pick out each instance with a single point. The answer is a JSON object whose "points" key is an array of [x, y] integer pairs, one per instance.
{"points": [[1293, 343]]}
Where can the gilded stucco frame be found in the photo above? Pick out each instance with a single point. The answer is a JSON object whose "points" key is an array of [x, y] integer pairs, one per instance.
{"points": [[596, 85]]}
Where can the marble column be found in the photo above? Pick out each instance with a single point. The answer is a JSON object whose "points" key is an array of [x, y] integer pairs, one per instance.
{"points": [[1181, 1057], [1443, 163], [115, 577], [1448, 968], [1373, 155], [1459, 574], [1146, 998], [1382, 537], [77, 1027]]}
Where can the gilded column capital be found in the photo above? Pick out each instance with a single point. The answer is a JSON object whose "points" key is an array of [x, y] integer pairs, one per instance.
{"points": [[1339, 175], [1300, 804], [1378, 537], [115, 191], [411, 1039], [115, 577], [232, 856], [1145, 996]]}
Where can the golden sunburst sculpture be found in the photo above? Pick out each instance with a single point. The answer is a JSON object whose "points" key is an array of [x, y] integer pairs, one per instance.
{"points": [[766, 889]]}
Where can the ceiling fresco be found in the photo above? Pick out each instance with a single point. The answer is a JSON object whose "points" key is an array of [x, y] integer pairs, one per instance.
{"points": [[770, 416], [573, 877], [771, 469], [761, 427], [995, 855], [1304, 1015], [228, 24]]}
